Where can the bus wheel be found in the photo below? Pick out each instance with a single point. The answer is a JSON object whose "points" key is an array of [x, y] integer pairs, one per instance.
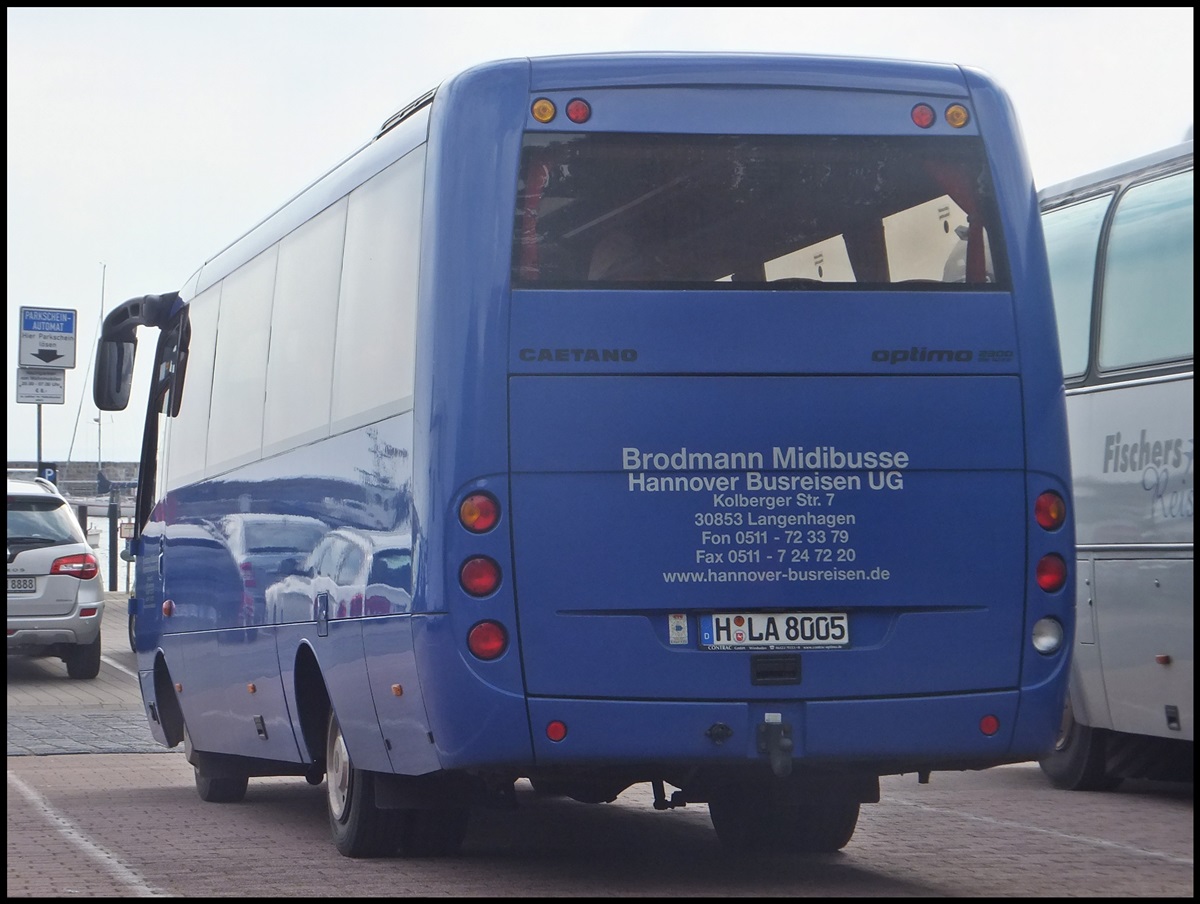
{"points": [[360, 829], [756, 820], [1077, 762], [216, 788], [432, 833]]}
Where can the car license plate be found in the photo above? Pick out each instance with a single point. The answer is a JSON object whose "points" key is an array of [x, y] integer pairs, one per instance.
{"points": [[773, 630], [22, 585]]}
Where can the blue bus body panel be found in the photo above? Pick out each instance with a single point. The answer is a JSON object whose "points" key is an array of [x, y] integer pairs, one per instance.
{"points": [[617, 551], [534, 396]]}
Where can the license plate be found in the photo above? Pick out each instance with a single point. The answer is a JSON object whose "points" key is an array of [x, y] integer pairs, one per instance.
{"points": [[22, 585], [774, 630]]}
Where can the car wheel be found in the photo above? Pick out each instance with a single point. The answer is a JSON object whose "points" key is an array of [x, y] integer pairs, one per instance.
{"points": [[83, 662], [133, 633]]}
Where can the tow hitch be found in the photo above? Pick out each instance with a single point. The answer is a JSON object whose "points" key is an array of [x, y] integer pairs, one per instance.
{"points": [[775, 739]]}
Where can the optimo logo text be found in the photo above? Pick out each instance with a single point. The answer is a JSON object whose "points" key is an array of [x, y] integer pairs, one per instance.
{"points": [[922, 355]]}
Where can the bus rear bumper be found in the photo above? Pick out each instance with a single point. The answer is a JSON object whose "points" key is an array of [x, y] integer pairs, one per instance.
{"points": [[887, 735]]}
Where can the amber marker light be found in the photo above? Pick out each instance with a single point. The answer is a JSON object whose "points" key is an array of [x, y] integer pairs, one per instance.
{"points": [[1050, 511], [923, 116], [543, 109], [479, 513], [957, 116], [579, 110]]}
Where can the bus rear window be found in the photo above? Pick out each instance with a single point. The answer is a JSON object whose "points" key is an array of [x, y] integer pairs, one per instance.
{"points": [[604, 209]]}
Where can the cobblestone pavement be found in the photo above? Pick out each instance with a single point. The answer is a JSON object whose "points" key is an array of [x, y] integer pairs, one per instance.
{"points": [[49, 713]]}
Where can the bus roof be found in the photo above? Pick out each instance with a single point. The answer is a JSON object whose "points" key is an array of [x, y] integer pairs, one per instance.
{"points": [[1164, 159]]}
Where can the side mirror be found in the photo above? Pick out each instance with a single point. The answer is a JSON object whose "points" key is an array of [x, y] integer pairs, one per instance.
{"points": [[114, 374]]}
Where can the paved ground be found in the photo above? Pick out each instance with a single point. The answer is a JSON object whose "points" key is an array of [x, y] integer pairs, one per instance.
{"points": [[103, 715]]}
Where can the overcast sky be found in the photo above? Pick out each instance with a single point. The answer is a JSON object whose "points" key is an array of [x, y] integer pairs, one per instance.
{"points": [[142, 141]]}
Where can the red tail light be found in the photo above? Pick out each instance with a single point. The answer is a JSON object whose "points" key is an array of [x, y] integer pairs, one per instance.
{"points": [[1051, 573], [479, 576], [84, 566], [487, 640]]}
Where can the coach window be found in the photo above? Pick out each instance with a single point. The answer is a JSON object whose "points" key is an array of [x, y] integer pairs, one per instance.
{"points": [[1073, 240], [188, 430], [303, 321], [240, 370], [1146, 310], [376, 344]]}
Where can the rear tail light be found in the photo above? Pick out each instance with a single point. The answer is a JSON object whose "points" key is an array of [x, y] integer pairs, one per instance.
{"points": [[1051, 573], [487, 640], [479, 576], [1050, 512], [248, 575], [84, 566]]}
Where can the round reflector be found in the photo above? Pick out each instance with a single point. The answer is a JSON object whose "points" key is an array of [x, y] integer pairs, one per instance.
{"points": [[487, 640], [479, 576], [989, 725], [957, 116], [556, 730], [1050, 510], [923, 115], [479, 512], [543, 109], [1051, 572], [579, 110]]}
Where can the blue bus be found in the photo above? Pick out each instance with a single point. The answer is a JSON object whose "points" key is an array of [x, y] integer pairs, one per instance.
{"points": [[686, 420], [1120, 243]]}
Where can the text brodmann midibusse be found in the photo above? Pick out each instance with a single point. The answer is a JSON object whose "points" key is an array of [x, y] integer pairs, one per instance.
{"points": [[786, 458]]}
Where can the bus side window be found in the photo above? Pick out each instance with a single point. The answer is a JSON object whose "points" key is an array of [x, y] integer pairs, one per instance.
{"points": [[1149, 256]]}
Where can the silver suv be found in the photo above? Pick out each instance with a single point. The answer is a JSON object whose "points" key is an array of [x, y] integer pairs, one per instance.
{"points": [[55, 594]]}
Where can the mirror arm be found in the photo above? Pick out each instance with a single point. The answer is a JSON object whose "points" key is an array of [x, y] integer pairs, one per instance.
{"points": [[146, 310]]}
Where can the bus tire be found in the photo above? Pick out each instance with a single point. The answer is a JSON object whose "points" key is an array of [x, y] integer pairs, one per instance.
{"points": [[1078, 760], [212, 787], [432, 833], [221, 789], [756, 820], [359, 827]]}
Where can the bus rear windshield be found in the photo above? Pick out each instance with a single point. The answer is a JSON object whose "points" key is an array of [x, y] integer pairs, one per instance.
{"points": [[604, 209]]}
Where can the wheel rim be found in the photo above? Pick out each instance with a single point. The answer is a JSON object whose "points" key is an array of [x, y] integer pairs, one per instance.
{"points": [[1066, 730], [337, 773]]}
